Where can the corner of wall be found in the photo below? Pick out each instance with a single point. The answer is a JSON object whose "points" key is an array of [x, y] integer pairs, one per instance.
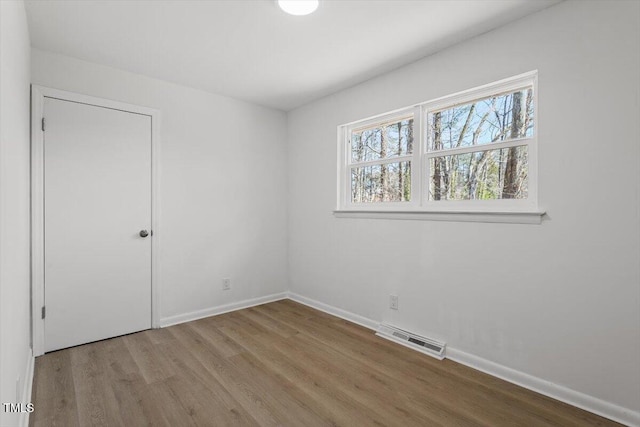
{"points": [[16, 370]]}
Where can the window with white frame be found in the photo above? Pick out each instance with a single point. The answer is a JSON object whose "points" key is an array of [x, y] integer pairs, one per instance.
{"points": [[473, 151]]}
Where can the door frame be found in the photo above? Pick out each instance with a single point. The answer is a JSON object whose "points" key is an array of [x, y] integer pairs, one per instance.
{"points": [[38, 95]]}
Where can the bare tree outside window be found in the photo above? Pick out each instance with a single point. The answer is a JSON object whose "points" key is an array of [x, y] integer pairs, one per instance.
{"points": [[483, 174], [385, 181], [474, 151]]}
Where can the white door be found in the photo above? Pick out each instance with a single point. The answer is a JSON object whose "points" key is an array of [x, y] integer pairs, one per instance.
{"points": [[97, 199]]}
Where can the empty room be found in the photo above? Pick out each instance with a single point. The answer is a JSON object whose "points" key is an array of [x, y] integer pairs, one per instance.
{"points": [[319, 213]]}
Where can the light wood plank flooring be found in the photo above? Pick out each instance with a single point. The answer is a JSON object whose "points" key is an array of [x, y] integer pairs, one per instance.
{"points": [[276, 364]]}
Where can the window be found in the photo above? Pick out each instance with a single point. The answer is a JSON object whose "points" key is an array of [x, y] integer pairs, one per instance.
{"points": [[381, 161], [474, 151]]}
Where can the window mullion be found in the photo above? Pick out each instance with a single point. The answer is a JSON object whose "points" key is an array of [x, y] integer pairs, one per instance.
{"points": [[384, 161], [483, 147], [418, 148]]}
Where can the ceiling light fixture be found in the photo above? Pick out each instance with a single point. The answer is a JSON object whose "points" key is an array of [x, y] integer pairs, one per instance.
{"points": [[298, 7]]}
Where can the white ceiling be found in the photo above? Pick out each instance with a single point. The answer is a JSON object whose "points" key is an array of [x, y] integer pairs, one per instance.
{"points": [[253, 51]]}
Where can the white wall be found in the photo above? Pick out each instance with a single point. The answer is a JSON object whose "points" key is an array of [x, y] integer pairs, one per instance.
{"points": [[559, 301], [222, 184], [15, 350]]}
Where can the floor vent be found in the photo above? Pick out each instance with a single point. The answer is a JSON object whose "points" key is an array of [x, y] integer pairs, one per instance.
{"points": [[424, 345]]}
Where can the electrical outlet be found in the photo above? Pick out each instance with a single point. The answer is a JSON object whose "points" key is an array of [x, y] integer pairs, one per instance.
{"points": [[393, 302], [226, 284]]}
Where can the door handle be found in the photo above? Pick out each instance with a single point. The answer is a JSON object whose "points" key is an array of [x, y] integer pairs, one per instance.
{"points": [[144, 233]]}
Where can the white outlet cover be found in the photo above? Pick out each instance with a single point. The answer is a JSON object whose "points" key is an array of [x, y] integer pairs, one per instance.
{"points": [[393, 302]]}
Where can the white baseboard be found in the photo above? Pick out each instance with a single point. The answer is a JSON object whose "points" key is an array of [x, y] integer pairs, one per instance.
{"points": [[547, 388], [555, 391], [212, 311], [27, 384], [338, 312]]}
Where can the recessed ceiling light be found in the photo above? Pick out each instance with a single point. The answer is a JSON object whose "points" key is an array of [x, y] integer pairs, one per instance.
{"points": [[298, 7]]}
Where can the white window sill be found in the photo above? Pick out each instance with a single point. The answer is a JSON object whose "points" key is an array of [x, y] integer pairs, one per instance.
{"points": [[512, 217]]}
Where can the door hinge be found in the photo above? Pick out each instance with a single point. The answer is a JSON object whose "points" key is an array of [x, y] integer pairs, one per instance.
{"points": [[44, 311], [43, 124]]}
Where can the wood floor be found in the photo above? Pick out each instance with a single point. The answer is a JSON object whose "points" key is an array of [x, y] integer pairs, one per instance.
{"points": [[277, 364]]}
